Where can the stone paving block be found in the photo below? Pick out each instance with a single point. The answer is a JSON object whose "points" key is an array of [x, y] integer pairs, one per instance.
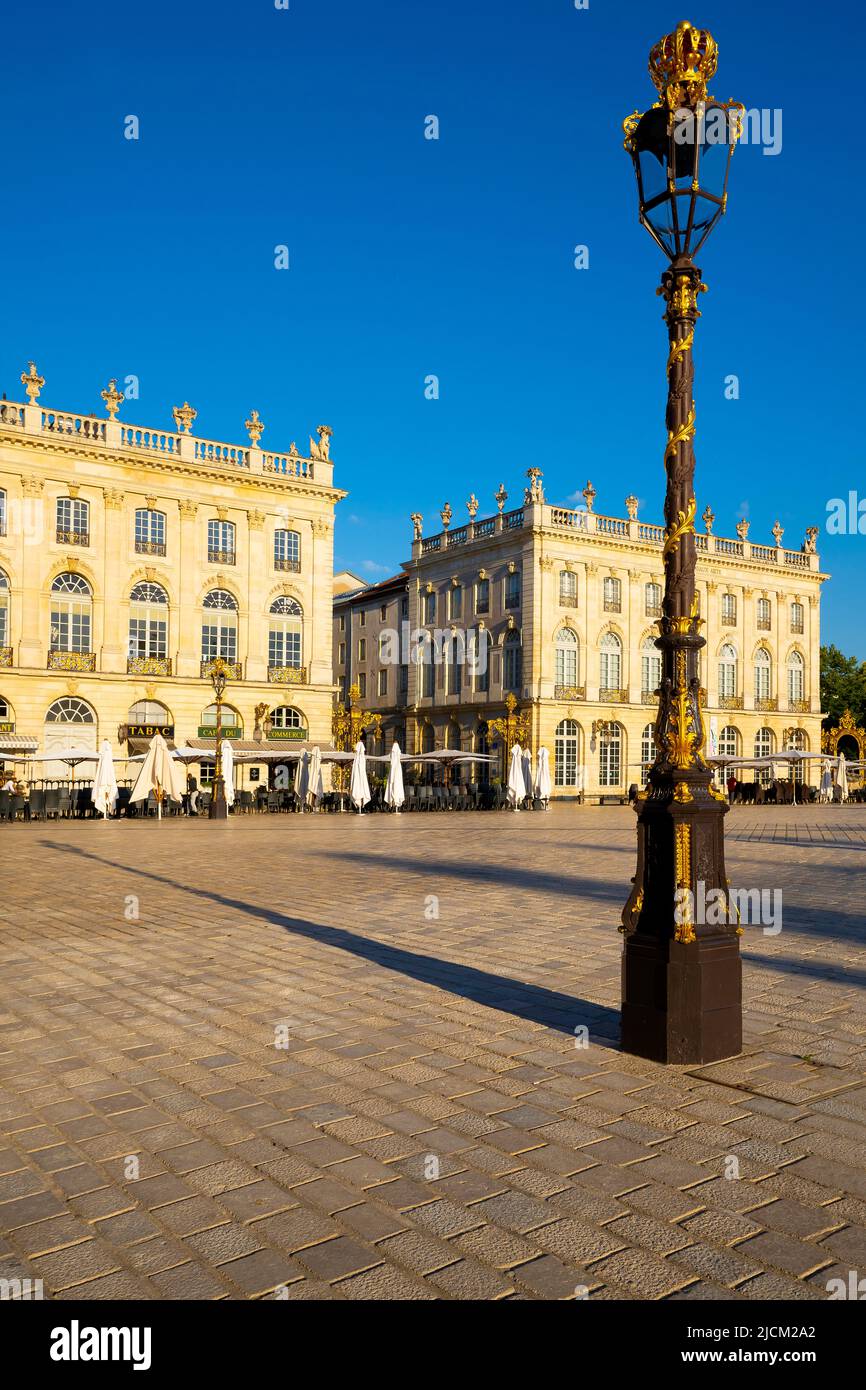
{"points": [[467, 1279], [777, 1251], [334, 1259]]}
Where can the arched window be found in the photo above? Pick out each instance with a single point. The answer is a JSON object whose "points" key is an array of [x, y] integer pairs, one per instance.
{"points": [[73, 521], [219, 630], [653, 600], [797, 617], [565, 750], [5, 710], [428, 738], [610, 676], [796, 678], [647, 749], [71, 609], [285, 717], [765, 744], [149, 712], [566, 657], [568, 588], [149, 531], [610, 755], [512, 662], [232, 724], [287, 551], [727, 672], [285, 634], [4, 610], [797, 741], [221, 542], [763, 666], [453, 737], [729, 742], [650, 669], [148, 621], [70, 710]]}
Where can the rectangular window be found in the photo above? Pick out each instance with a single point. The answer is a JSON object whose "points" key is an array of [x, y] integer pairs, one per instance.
{"points": [[383, 612], [362, 685], [404, 679], [729, 610], [362, 618], [482, 596], [763, 615], [342, 622], [512, 590], [221, 542], [383, 682], [456, 602], [284, 648], [287, 551], [342, 656], [653, 604], [149, 532], [404, 607], [73, 521], [612, 595], [429, 679], [797, 612], [362, 649], [429, 608]]}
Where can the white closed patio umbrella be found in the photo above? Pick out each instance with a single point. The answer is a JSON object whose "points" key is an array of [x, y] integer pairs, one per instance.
{"points": [[826, 791], [842, 777], [227, 758], [394, 793], [359, 787], [302, 778], [542, 777], [315, 785], [528, 772], [105, 783], [159, 773], [516, 778]]}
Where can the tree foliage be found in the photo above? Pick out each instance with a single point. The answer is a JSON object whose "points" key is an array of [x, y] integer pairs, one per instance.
{"points": [[843, 686]]}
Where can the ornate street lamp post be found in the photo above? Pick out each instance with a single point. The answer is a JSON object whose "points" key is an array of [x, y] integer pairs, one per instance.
{"points": [[681, 974], [218, 809]]}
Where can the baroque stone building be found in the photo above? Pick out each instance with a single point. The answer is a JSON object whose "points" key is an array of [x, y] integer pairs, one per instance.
{"points": [[565, 602], [131, 556]]}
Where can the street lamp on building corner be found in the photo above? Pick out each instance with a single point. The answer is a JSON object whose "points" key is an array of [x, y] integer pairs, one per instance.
{"points": [[681, 978]]}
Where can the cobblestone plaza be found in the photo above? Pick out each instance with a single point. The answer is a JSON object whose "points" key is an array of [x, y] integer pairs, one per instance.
{"points": [[342, 1058]]}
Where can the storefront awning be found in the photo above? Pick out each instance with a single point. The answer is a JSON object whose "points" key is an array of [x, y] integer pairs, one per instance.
{"points": [[17, 743]]}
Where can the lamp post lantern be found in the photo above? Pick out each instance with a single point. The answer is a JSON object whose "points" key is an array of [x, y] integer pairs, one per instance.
{"points": [[218, 809], [681, 975]]}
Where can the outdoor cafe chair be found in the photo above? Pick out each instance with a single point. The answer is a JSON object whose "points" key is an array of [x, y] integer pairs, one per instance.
{"points": [[52, 802], [5, 805], [64, 805], [37, 804]]}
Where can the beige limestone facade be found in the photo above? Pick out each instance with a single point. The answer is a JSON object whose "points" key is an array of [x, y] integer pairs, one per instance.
{"points": [[566, 600], [131, 556]]}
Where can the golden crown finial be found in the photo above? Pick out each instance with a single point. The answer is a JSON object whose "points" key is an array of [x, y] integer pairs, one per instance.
{"points": [[682, 63]]}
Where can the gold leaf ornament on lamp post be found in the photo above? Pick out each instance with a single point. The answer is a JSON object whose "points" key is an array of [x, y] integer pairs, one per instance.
{"points": [[218, 809]]}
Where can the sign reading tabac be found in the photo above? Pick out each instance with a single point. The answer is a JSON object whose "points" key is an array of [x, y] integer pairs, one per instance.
{"points": [[149, 730]]}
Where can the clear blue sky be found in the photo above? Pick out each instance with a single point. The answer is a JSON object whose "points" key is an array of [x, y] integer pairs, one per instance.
{"points": [[305, 127]]}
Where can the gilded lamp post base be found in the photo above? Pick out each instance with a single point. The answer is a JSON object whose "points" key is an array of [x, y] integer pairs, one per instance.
{"points": [[681, 977], [218, 809]]}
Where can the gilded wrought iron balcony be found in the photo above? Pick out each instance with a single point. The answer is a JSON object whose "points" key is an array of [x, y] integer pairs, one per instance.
{"points": [[220, 557], [5, 656], [729, 620], [613, 696], [148, 666], [282, 562], [768, 704], [568, 600], [570, 692], [653, 610], [234, 670], [795, 706], [287, 675], [613, 605], [649, 697], [764, 625], [150, 547], [72, 537], [731, 702], [71, 661], [797, 626]]}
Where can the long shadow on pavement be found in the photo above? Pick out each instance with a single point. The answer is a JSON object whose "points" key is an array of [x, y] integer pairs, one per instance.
{"points": [[532, 1003]]}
